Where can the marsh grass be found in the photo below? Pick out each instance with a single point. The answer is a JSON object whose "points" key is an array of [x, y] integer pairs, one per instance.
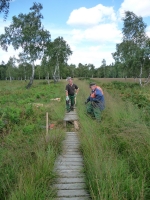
{"points": [[27, 156], [116, 151]]}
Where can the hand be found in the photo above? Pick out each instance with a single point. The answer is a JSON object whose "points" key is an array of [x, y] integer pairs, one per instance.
{"points": [[67, 98], [91, 99]]}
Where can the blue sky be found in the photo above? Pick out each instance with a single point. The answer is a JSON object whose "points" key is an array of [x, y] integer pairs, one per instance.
{"points": [[91, 27]]}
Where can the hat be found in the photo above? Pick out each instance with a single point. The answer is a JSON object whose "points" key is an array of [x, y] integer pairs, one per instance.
{"points": [[91, 84], [68, 78]]}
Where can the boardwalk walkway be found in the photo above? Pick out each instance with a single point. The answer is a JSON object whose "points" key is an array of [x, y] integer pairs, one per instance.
{"points": [[69, 166]]}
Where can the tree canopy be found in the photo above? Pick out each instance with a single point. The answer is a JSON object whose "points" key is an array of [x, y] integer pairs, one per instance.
{"points": [[4, 7], [134, 49], [26, 31]]}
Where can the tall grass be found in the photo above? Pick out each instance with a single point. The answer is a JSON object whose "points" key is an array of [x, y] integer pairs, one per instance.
{"points": [[27, 156], [116, 151]]}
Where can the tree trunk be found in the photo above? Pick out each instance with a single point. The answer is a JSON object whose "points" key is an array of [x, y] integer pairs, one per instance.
{"points": [[25, 74], [140, 80], [147, 80], [48, 78], [32, 77]]}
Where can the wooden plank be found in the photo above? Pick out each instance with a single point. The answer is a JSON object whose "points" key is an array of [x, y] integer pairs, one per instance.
{"points": [[69, 167], [70, 186], [72, 155], [72, 198], [72, 193], [68, 164], [64, 170], [70, 159], [70, 118], [71, 180], [70, 173]]}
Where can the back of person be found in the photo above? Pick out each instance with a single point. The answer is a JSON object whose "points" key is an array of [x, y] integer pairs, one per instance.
{"points": [[98, 97], [95, 102], [98, 87]]}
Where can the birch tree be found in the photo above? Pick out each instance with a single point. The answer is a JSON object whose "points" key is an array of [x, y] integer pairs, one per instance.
{"points": [[26, 32]]}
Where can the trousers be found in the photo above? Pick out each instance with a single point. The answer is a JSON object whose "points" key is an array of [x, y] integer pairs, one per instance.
{"points": [[70, 103], [94, 110]]}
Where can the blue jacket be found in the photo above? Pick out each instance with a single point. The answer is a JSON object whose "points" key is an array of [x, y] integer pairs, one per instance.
{"points": [[97, 97]]}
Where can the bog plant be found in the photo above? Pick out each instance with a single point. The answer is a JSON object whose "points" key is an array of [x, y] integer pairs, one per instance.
{"points": [[26, 156], [117, 150]]}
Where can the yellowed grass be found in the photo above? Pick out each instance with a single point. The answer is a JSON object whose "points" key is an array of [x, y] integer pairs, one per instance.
{"points": [[118, 79]]}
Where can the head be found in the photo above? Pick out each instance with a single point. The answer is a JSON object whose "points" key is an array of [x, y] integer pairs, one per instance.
{"points": [[92, 86], [69, 79]]}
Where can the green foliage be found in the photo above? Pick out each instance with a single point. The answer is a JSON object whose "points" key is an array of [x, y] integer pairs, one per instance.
{"points": [[2, 124], [84, 78], [26, 156], [29, 129], [12, 114], [116, 151], [132, 92], [4, 7], [31, 36], [134, 50]]}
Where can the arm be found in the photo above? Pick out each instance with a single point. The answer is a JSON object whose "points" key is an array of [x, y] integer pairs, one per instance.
{"points": [[66, 90], [67, 98], [76, 89], [98, 96], [66, 93]]}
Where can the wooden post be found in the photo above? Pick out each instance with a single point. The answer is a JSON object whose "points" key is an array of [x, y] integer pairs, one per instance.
{"points": [[47, 123]]}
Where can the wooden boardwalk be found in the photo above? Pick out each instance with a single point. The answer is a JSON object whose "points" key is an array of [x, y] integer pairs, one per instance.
{"points": [[69, 166], [70, 117]]}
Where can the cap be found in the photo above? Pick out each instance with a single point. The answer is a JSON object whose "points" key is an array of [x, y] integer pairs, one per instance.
{"points": [[68, 78], [91, 84]]}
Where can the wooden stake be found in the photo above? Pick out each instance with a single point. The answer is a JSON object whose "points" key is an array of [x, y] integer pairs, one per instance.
{"points": [[47, 123]]}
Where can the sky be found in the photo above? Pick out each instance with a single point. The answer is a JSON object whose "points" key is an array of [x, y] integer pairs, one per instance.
{"points": [[92, 28]]}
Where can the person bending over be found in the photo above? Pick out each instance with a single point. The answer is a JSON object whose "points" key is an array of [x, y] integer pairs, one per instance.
{"points": [[95, 102]]}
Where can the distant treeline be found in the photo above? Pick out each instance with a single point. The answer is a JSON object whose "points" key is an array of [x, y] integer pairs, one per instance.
{"points": [[24, 71]]}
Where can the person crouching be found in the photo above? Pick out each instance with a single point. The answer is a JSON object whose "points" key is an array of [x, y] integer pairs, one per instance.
{"points": [[95, 102]]}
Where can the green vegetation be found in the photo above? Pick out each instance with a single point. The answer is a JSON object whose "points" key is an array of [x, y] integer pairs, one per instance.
{"points": [[117, 150], [27, 156], [132, 92]]}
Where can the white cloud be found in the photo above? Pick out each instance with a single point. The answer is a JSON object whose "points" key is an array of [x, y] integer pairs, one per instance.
{"points": [[77, 35], [3, 24], [103, 33], [140, 8], [6, 55], [92, 16], [100, 33], [93, 55], [96, 26]]}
